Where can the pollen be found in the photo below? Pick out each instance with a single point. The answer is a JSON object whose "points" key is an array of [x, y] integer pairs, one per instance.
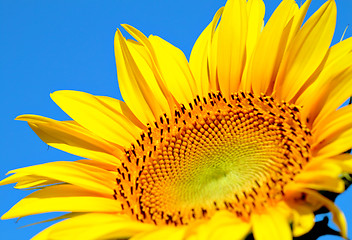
{"points": [[215, 153]]}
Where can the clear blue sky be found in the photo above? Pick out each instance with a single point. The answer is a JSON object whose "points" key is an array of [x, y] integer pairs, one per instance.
{"points": [[62, 44]]}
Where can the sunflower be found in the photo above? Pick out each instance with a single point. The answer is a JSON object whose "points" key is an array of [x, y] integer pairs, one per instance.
{"points": [[241, 139]]}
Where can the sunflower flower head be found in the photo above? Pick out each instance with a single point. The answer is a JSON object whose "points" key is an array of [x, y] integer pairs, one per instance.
{"points": [[244, 138]]}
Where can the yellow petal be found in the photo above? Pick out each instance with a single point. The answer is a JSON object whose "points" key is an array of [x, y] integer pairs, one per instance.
{"points": [[339, 51], [62, 217], [72, 138], [338, 216], [134, 89], [334, 159], [338, 60], [174, 69], [255, 13], [337, 145], [103, 165], [121, 109], [298, 20], [231, 46], [32, 182], [306, 51], [79, 174], [270, 48], [329, 91], [303, 220], [223, 225], [271, 225], [324, 165], [152, 59], [145, 63], [200, 56], [335, 123], [165, 233], [94, 226], [97, 116], [63, 198], [323, 181], [321, 174], [347, 166], [340, 91], [213, 62], [343, 161]]}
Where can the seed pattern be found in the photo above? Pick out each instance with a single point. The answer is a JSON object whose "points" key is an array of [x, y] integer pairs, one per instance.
{"points": [[215, 153]]}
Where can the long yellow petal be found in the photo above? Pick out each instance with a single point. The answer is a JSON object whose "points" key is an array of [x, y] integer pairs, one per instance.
{"points": [[343, 161], [142, 39], [134, 89], [98, 116], [96, 163], [121, 109], [303, 220], [164, 55], [298, 20], [94, 226], [63, 198], [145, 63], [231, 46], [337, 145], [213, 62], [33, 182], [338, 216], [339, 51], [223, 225], [329, 91], [340, 91], [165, 233], [79, 174], [271, 225], [255, 14], [71, 137], [174, 69], [270, 48], [306, 51], [200, 56], [60, 217], [338, 60], [321, 176], [335, 123], [347, 166]]}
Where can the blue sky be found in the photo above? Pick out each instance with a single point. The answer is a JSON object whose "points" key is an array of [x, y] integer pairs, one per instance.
{"points": [[53, 45]]}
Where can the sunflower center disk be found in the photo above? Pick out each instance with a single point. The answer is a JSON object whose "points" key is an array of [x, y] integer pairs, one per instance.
{"points": [[236, 154]]}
